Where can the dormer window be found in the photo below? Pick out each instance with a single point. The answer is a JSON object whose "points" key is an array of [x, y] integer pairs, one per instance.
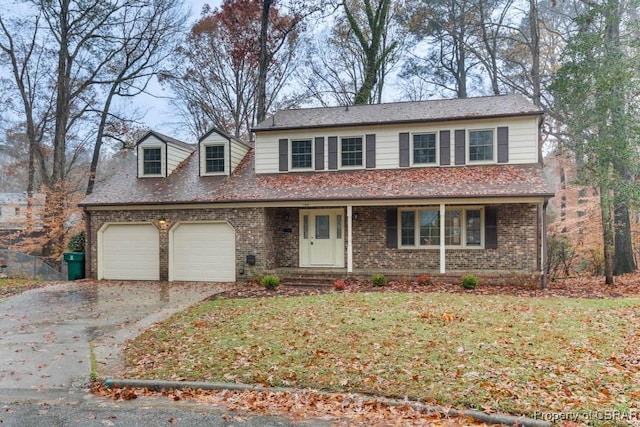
{"points": [[214, 159], [152, 161]]}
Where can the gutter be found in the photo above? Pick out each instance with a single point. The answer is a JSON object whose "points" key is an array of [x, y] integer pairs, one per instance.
{"points": [[164, 203]]}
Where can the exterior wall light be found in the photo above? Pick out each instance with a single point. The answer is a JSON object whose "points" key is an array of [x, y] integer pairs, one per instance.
{"points": [[162, 222]]}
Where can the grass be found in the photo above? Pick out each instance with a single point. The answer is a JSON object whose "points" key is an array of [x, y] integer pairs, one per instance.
{"points": [[509, 354], [10, 287]]}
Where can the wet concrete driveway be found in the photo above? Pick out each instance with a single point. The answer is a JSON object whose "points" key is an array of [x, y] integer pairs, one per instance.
{"points": [[47, 335]]}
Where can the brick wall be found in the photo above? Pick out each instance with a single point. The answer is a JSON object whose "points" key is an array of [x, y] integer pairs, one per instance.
{"points": [[517, 250], [250, 225], [272, 235]]}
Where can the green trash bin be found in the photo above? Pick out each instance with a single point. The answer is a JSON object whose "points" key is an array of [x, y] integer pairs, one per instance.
{"points": [[75, 265]]}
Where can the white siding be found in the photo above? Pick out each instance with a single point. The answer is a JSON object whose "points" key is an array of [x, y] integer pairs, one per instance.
{"points": [[238, 151], [175, 156], [523, 140]]}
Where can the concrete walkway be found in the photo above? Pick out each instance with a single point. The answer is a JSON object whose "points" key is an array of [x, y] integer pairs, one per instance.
{"points": [[47, 334]]}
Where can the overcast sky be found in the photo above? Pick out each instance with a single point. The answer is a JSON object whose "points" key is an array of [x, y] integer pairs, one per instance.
{"points": [[159, 115]]}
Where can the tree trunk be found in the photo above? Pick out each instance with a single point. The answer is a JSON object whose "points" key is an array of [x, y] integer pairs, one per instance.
{"points": [[623, 261], [263, 66], [607, 234]]}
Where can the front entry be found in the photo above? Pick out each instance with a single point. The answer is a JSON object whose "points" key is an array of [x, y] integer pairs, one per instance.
{"points": [[322, 238]]}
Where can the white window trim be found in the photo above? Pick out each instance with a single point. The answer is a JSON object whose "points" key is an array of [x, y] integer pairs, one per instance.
{"points": [[163, 156], [313, 155], [411, 153], [364, 152], [204, 159], [468, 147], [463, 237]]}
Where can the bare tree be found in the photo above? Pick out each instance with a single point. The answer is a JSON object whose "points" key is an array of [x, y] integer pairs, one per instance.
{"points": [[143, 39], [216, 69]]}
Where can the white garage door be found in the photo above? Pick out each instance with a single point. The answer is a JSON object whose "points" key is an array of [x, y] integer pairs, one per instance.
{"points": [[203, 252], [130, 252]]}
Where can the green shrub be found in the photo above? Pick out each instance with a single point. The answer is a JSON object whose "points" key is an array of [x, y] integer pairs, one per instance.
{"points": [[469, 281], [378, 279], [77, 242], [270, 281]]}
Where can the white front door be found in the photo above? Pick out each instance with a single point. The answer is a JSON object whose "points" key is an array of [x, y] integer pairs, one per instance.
{"points": [[322, 238]]}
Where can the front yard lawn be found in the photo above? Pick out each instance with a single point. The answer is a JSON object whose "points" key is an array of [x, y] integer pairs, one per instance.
{"points": [[518, 355]]}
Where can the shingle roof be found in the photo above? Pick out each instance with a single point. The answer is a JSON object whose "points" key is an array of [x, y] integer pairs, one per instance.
{"points": [[186, 186], [400, 112]]}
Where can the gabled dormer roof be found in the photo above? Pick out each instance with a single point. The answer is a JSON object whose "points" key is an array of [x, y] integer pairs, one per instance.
{"points": [[167, 140], [400, 112], [224, 135]]}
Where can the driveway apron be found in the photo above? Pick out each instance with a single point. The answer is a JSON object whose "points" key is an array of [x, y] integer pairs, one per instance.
{"points": [[47, 334]]}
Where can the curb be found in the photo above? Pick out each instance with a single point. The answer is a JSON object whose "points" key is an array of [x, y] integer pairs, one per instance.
{"points": [[158, 385]]}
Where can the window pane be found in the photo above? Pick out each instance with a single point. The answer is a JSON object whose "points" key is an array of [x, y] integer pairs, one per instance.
{"points": [[424, 148], [473, 228], [322, 227], [152, 161], [339, 227], [301, 154], [214, 158], [351, 151], [408, 234], [452, 228], [429, 228], [480, 145], [305, 226]]}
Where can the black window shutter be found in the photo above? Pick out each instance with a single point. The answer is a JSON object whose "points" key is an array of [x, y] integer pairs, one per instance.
{"points": [[333, 152], [392, 228], [283, 154], [404, 149], [445, 147], [490, 227], [460, 146], [371, 150], [503, 144], [319, 153]]}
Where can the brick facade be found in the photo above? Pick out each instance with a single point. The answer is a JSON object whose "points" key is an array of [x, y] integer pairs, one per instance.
{"points": [[272, 235], [517, 251], [250, 225]]}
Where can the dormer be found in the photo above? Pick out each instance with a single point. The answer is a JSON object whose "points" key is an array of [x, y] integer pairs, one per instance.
{"points": [[159, 155], [220, 153]]}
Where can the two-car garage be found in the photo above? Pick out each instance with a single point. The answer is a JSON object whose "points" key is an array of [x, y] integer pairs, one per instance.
{"points": [[198, 251]]}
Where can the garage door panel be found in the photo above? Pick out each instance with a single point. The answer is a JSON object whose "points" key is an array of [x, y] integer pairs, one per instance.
{"points": [[130, 252], [203, 252]]}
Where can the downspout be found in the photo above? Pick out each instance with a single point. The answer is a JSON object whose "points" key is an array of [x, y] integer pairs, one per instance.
{"points": [[349, 239], [543, 246], [443, 266], [88, 245]]}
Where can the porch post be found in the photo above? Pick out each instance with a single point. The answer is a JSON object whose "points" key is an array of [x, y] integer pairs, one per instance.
{"points": [[349, 239], [443, 268]]}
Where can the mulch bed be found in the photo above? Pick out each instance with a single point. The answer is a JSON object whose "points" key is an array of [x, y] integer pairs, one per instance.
{"points": [[580, 287]]}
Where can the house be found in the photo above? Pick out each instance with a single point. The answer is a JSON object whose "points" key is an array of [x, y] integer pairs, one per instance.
{"points": [[438, 187], [14, 209]]}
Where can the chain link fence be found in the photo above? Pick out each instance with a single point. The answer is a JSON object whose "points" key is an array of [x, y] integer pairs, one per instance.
{"points": [[18, 265]]}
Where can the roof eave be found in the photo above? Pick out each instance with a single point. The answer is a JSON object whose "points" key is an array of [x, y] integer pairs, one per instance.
{"points": [[398, 122], [303, 200]]}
